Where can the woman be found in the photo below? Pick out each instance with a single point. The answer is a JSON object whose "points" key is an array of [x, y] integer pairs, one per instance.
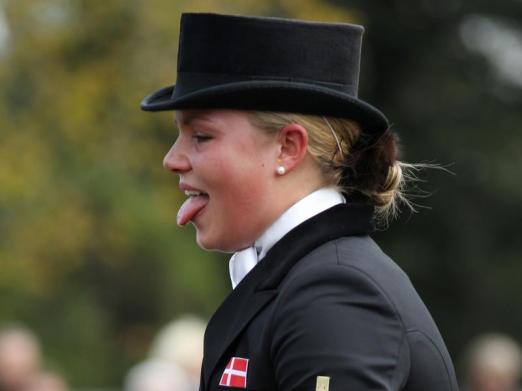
{"points": [[284, 165]]}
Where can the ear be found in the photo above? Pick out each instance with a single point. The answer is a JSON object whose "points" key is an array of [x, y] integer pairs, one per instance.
{"points": [[293, 140]]}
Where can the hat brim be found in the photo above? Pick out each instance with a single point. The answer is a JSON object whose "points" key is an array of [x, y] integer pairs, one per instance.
{"points": [[272, 96]]}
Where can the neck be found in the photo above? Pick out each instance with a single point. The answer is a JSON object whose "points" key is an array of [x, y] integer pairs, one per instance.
{"points": [[298, 183], [285, 191]]}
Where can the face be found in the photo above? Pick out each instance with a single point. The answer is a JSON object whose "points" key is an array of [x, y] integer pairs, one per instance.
{"points": [[226, 168]]}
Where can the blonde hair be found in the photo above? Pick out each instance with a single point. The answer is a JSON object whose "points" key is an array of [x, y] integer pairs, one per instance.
{"points": [[349, 159]]}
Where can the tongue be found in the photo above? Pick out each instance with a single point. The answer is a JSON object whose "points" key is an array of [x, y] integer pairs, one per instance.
{"points": [[191, 208]]}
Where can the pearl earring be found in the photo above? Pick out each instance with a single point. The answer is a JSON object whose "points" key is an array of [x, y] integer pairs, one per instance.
{"points": [[280, 170]]}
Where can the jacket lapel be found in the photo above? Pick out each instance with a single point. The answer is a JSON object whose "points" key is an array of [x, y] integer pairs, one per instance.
{"points": [[230, 319], [259, 286]]}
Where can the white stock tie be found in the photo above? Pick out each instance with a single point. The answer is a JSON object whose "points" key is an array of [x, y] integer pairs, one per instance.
{"points": [[241, 263]]}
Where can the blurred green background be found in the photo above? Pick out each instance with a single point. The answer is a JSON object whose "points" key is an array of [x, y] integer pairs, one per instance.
{"points": [[90, 256]]}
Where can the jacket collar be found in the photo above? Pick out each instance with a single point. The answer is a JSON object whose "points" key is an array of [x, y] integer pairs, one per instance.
{"points": [[259, 286]]}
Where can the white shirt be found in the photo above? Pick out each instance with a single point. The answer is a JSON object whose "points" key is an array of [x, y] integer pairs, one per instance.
{"points": [[314, 203]]}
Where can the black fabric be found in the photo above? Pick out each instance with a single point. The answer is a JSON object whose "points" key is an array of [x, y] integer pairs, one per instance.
{"points": [[256, 63], [271, 48], [325, 301]]}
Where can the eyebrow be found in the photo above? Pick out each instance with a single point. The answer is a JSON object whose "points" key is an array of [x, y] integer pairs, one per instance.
{"points": [[191, 116]]}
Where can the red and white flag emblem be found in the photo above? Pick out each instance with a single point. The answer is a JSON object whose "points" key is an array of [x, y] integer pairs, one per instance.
{"points": [[235, 373]]}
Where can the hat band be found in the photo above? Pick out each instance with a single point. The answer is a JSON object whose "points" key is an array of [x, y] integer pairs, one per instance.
{"points": [[189, 82]]}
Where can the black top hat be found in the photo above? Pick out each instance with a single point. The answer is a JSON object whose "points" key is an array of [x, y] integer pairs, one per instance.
{"points": [[258, 63]]}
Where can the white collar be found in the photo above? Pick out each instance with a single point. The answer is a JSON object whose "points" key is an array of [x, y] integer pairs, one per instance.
{"points": [[314, 203]]}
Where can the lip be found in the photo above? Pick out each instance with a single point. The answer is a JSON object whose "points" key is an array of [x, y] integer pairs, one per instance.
{"points": [[186, 187]]}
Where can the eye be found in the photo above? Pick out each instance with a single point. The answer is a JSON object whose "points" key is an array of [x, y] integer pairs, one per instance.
{"points": [[201, 138]]}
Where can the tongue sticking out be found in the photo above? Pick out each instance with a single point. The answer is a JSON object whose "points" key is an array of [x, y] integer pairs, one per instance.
{"points": [[191, 208]]}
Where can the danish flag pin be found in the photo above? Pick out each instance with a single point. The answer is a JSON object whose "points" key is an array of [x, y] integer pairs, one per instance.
{"points": [[235, 373]]}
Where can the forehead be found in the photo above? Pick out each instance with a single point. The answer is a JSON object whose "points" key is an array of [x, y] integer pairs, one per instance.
{"points": [[213, 116], [185, 117]]}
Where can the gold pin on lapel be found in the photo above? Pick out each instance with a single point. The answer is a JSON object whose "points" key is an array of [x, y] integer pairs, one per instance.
{"points": [[323, 383]]}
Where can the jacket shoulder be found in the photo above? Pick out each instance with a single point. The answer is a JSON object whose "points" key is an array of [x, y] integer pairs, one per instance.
{"points": [[360, 263], [334, 315], [359, 274], [353, 257]]}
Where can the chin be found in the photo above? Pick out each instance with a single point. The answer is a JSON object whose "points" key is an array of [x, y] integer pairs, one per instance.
{"points": [[208, 244], [203, 244], [212, 244]]}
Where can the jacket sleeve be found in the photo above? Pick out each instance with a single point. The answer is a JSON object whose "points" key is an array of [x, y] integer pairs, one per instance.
{"points": [[335, 321]]}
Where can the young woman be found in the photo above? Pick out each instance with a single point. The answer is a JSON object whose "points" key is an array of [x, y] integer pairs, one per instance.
{"points": [[284, 165]]}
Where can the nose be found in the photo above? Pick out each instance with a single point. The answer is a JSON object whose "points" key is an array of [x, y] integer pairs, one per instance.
{"points": [[175, 160]]}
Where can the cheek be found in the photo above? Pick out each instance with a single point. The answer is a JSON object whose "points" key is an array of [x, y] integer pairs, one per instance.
{"points": [[241, 194], [240, 191], [240, 175], [238, 180]]}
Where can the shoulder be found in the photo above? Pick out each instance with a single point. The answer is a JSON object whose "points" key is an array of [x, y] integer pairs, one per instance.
{"points": [[348, 295], [358, 267], [352, 268], [358, 253], [332, 309], [355, 262]]}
